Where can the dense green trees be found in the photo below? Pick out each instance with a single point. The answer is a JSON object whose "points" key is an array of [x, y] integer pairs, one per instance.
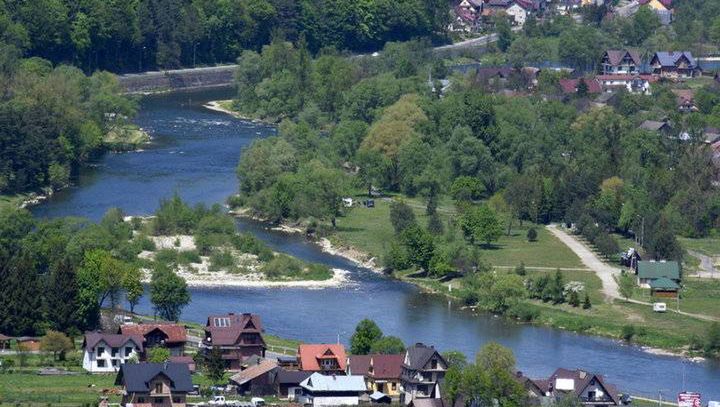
{"points": [[368, 338]]}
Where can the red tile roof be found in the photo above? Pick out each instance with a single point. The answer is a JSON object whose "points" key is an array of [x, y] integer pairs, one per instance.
{"points": [[383, 366], [310, 355], [225, 330], [569, 86], [175, 333]]}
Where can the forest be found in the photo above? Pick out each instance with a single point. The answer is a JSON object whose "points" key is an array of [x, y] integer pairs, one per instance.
{"points": [[139, 35]]}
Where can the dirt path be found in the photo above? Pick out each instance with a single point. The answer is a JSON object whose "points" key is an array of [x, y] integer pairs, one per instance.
{"points": [[605, 272], [707, 266]]}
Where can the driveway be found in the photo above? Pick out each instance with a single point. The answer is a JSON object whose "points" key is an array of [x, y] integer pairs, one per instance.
{"points": [[605, 272]]}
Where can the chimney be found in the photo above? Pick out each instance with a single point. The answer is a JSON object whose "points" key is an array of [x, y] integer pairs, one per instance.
{"points": [[583, 374]]}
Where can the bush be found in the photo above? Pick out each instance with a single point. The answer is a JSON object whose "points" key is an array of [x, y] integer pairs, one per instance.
{"points": [[520, 269], [221, 259], [628, 332], [166, 256], [247, 243], [282, 266], [523, 312], [236, 201], [532, 235], [397, 258], [187, 257], [146, 243], [470, 298]]}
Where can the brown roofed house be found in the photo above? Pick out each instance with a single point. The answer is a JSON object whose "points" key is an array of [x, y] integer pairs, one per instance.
{"points": [[382, 372], [170, 336], [257, 379], [322, 358], [620, 62], [238, 336], [589, 388]]}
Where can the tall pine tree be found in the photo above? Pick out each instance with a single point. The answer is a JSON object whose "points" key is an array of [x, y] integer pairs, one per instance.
{"points": [[62, 296], [20, 296]]}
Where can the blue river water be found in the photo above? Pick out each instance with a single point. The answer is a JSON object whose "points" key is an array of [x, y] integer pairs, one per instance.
{"points": [[194, 153]]}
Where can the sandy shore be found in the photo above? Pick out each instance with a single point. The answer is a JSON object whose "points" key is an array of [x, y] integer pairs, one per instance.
{"points": [[216, 106]]}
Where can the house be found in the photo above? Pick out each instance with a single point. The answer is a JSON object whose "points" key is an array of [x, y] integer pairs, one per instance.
{"points": [[28, 343], [652, 270], [518, 12], [104, 353], [422, 371], [662, 8], [589, 388], [674, 65], [287, 383], [323, 358], [382, 373], [468, 14], [624, 62], [170, 336], [154, 384], [238, 336], [571, 86], [664, 287], [657, 126], [332, 390], [685, 99], [188, 360], [632, 83], [258, 379]]}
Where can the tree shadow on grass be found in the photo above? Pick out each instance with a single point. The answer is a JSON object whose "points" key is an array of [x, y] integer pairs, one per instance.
{"points": [[492, 246]]}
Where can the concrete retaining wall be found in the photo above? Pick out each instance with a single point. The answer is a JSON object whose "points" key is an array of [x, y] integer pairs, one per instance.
{"points": [[149, 82]]}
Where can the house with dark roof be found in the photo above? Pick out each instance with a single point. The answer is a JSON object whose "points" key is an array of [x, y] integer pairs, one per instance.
{"points": [[674, 64], [287, 383], [648, 271], [238, 336], [590, 389], [626, 62], [154, 384], [323, 358], [105, 353], [382, 372], [422, 371], [166, 335]]}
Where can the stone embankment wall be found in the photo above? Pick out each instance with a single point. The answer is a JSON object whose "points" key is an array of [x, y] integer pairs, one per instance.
{"points": [[149, 82]]}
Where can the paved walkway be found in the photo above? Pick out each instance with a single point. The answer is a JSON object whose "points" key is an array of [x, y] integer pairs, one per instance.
{"points": [[605, 272]]}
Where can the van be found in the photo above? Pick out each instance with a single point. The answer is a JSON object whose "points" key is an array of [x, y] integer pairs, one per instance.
{"points": [[659, 307]]}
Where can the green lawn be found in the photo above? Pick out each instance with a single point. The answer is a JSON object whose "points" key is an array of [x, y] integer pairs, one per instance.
{"points": [[701, 296], [707, 246], [74, 390], [11, 201], [370, 231]]}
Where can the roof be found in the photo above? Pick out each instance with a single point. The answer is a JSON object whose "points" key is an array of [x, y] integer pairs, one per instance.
{"points": [[616, 56], [571, 85], [663, 283], [653, 125], [226, 329], [580, 380], [711, 135], [309, 354], [671, 58], [428, 402], [419, 354], [254, 371], [383, 366], [175, 333], [658, 269], [291, 376], [378, 396], [136, 377], [684, 96], [92, 339], [626, 77], [4, 338], [319, 382]]}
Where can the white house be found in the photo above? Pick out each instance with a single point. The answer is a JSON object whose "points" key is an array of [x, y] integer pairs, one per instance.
{"points": [[518, 14], [104, 353], [332, 390]]}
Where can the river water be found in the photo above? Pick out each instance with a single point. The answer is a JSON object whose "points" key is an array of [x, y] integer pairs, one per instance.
{"points": [[195, 152]]}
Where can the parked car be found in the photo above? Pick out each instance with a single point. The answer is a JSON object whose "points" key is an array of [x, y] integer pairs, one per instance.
{"points": [[222, 401], [659, 307]]}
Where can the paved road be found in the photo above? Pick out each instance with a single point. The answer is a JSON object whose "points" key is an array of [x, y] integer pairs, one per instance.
{"points": [[706, 264], [475, 42], [605, 272]]}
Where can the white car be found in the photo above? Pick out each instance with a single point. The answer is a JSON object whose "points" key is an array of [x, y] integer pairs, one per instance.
{"points": [[659, 307]]}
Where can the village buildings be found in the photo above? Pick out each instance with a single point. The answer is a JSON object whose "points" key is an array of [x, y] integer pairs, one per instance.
{"points": [[237, 336], [154, 384], [104, 353], [422, 371]]}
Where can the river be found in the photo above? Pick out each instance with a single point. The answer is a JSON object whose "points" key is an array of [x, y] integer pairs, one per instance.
{"points": [[194, 153]]}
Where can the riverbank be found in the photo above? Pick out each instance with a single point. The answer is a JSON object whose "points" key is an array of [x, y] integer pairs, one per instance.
{"points": [[126, 138], [225, 106]]}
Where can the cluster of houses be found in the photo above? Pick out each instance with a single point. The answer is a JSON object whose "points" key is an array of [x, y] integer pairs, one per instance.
{"points": [[318, 375]]}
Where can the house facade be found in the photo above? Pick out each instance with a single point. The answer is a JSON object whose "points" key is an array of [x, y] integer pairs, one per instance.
{"points": [[329, 359], [238, 336], [105, 353], [323, 390], [589, 388], [674, 64], [422, 370], [154, 384], [622, 62], [170, 336], [647, 271], [382, 373], [639, 84]]}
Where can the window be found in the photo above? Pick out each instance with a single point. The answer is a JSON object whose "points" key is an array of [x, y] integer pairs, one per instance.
{"points": [[434, 364], [100, 350], [157, 400], [114, 352], [591, 395], [158, 388], [114, 362], [141, 399], [393, 386], [128, 350], [101, 363]]}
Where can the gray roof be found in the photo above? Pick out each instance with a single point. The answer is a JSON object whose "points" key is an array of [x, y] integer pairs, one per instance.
{"points": [[671, 58], [319, 382], [92, 339], [136, 377], [658, 269], [291, 376], [652, 125], [419, 354]]}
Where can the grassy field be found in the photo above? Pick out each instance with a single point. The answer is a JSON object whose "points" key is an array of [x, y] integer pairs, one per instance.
{"points": [[369, 230], [75, 390], [11, 201], [707, 246]]}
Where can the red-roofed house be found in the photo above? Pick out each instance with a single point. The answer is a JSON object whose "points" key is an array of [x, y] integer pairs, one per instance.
{"points": [[238, 336], [170, 336], [323, 358], [570, 86], [382, 372]]}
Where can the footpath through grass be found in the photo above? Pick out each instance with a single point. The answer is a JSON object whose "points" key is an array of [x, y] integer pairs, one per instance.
{"points": [[369, 230]]}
